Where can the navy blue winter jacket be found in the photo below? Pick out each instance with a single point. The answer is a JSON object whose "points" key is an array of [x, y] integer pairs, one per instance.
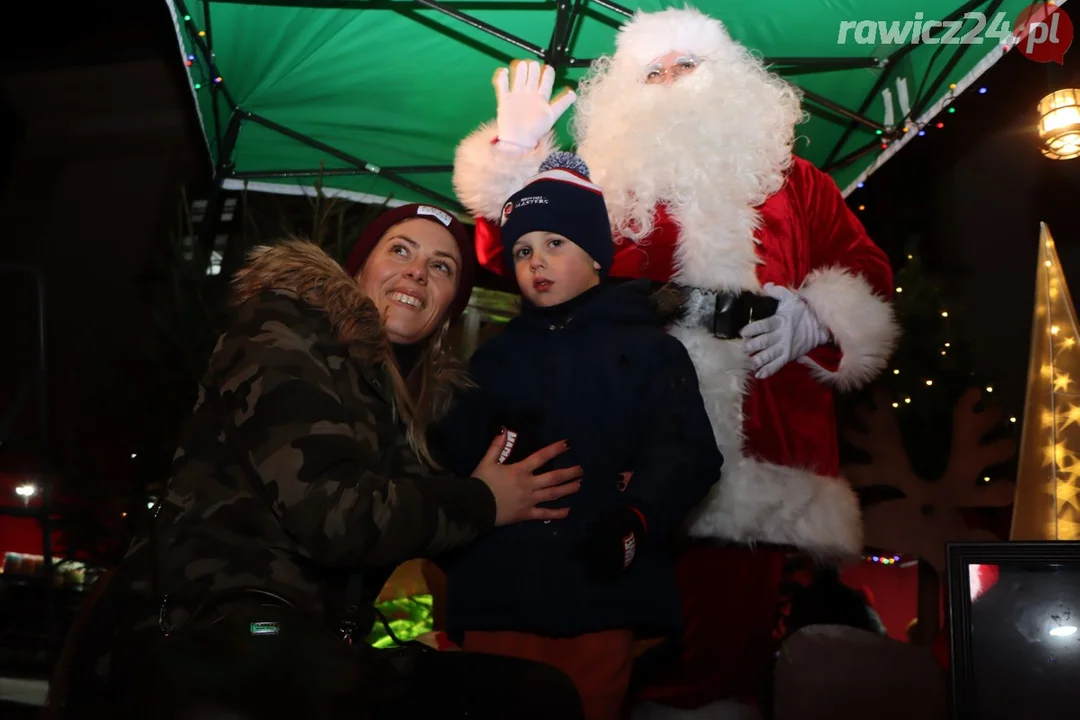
{"points": [[600, 372]]}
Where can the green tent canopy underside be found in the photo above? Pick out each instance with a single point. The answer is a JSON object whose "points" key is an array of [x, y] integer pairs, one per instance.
{"points": [[369, 98]]}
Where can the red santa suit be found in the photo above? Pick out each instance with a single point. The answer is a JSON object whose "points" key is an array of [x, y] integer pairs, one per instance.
{"points": [[779, 486]]}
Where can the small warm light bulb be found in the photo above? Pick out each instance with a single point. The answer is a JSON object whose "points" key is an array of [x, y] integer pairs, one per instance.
{"points": [[948, 344], [929, 382], [942, 352], [202, 33], [952, 86], [896, 405], [134, 455], [944, 314], [1012, 419], [910, 257], [986, 478], [123, 514], [1047, 263], [899, 289], [1054, 329], [989, 389], [862, 207], [896, 371], [907, 400]]}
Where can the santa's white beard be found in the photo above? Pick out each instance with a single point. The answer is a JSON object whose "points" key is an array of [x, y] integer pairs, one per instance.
{"points": [[725, 131]]}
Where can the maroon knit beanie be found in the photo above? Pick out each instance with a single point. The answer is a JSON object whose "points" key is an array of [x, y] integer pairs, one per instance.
{"points": [[375, 231]]}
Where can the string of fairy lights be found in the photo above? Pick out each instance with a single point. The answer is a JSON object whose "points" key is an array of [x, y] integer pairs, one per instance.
{"points": [[920, 128], [945, 347], [201, 75]]}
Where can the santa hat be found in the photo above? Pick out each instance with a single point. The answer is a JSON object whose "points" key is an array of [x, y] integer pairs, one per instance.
{"points": [[560, 199], [651, 35]]}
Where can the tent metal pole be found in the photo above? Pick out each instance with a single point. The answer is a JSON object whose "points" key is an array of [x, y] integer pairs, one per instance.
{"points": [[830, 105], [625, 12], [483, 26], [353, 160], [851, 157], [921, 103], [890, 62], [790, 66], [214, 87], [557, 50], [340, 172], [833, 63], [216, 200]]}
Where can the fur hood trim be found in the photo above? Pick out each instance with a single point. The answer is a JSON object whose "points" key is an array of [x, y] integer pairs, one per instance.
{"points": [[304, 269]]}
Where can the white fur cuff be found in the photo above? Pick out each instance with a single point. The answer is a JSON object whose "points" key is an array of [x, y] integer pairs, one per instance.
{"points": [[861, 321], [486, 176], [758, 502]]}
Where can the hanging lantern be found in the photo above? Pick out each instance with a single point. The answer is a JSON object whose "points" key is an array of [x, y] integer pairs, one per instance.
{"points": [[1059, 124]]}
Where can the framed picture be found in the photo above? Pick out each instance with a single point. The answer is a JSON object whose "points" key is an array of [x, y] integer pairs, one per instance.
{"points": [[1014, 620]]}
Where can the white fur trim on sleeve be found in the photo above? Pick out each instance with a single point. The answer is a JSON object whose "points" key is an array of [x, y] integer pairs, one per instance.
{"points": [[485, 176], [861, 321], [758, 502]]}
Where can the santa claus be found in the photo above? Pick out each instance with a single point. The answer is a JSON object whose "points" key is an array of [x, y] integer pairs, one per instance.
{"points": [[785, 299]]}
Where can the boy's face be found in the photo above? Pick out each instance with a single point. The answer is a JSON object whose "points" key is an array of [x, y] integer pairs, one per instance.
{"points": [[551, 269]]}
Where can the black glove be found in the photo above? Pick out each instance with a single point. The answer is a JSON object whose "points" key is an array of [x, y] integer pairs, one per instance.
{"points": [[611, 543]]}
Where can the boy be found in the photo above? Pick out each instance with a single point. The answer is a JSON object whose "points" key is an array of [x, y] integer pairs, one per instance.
{"points": [[586, 361]]}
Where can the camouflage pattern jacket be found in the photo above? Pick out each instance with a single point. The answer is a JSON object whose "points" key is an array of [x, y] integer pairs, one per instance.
{"points": [[293, 472]]}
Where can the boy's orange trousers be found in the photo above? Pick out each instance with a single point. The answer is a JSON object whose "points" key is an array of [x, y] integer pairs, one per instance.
{"points": [[599, 663]]}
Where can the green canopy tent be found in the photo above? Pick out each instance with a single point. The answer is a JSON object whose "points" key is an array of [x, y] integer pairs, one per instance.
{"points": [[370, 97]]}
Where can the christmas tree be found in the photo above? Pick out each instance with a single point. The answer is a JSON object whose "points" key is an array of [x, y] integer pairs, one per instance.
{"points": [[926, 446]]}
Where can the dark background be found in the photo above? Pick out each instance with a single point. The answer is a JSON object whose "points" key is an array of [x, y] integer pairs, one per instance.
{"points": [[98, 132]]}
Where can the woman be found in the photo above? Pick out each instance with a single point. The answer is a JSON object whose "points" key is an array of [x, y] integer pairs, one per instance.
{"points": [[301, 481]]}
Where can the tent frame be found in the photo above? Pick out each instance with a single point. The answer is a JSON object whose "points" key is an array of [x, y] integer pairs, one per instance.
{"points": [[568, 13]]}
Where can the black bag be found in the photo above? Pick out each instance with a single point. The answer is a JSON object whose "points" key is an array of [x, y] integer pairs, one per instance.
{"points": [[250, 650]]}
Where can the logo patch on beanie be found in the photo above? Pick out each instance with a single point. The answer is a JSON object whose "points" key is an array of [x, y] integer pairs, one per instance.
{"points": [[507, 209], [436, 213]]}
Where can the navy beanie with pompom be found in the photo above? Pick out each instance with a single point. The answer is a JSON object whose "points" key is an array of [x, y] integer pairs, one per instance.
{"points": [[560, 199]]}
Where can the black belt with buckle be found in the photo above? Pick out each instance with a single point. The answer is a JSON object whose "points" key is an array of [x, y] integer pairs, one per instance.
{"points": [[723, 313]]}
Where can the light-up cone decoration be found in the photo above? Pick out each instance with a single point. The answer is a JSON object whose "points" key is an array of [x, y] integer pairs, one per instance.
{"points": [[1048, 475]]}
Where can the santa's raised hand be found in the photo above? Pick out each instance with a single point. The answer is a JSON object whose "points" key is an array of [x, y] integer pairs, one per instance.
{"points": [[790, 333], [527, 111]]}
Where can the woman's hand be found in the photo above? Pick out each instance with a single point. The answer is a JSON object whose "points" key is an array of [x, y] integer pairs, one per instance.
{"points": [[517, 491]]}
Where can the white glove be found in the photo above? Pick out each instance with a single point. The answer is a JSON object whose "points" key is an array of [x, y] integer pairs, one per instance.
{"points": [[785, 336], [526, 111]]}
